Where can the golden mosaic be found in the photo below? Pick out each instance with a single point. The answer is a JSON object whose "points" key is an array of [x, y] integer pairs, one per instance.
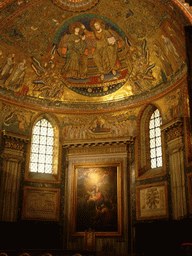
{"points": [[110, 53]]}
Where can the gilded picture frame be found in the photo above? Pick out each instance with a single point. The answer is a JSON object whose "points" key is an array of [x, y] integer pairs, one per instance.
{"points": [[41, 203], [151, 201], [189, 178], [97, 199]]}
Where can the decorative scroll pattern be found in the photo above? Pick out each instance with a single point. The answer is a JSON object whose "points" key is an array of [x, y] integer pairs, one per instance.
{"points": [[14, 145], [75, 5]]}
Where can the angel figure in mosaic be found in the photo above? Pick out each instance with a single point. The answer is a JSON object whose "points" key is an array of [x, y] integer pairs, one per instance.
{"points": [[7, 68], [17, 77], [16, 117], [167, 69], [170, 49], [141, 78]]}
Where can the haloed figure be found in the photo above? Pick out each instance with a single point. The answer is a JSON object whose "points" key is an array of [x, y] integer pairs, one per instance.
{"points": [[7, 69], [76, 60], [17, 77], [106, 52]]}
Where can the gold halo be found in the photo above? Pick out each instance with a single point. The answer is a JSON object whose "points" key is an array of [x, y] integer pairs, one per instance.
{"points": [[75, 24], [97, 20]]}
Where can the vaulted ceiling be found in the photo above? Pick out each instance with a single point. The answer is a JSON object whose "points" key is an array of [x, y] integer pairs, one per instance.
{"points": [[137, 52]]}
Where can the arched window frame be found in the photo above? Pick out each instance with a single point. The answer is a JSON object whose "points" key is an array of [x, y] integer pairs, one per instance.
{"points": [[155, 139], [143, 157], [53, 177]]}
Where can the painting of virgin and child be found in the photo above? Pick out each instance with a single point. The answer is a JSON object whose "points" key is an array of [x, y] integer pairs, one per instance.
{"points": [[97, 199]]}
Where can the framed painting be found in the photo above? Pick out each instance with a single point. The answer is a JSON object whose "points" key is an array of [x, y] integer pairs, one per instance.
{"points": [[189, 177], [97, 199], [151, 201], [41, 203]]}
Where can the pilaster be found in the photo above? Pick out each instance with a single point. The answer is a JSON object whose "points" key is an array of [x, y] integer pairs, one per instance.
{"points": [[175, 150], [12, 158]]}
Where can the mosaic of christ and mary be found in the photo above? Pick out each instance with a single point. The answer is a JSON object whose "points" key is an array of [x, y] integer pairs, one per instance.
{"points": [[95, 48]]}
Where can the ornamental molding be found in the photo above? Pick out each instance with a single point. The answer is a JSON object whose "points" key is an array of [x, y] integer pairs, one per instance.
{"points": [[75, 6], [173, 129], [99, 143], [185, 5], [172, 123], [15, 137], [14, 145], [176, 132], [104, 150]]}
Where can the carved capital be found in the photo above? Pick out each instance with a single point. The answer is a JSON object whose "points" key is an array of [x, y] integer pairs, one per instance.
{"points": [[175, 132], [14, 141], [173, 129], [17, 145]]}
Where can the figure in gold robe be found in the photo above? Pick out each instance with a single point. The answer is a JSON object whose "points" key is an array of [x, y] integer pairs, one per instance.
{"points": [[76, 60], [106, 52]]}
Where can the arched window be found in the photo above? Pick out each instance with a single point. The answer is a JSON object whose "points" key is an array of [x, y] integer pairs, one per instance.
{"points": [[44, 150], [150, 153], [155, 140]]}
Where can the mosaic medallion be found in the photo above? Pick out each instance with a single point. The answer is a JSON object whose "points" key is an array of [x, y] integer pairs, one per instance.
{"points": [[93, 50], [75, 5]]}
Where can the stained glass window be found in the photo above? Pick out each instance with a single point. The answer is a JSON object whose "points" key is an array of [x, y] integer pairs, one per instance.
{"points": [[42, 148], [155, 140]]}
